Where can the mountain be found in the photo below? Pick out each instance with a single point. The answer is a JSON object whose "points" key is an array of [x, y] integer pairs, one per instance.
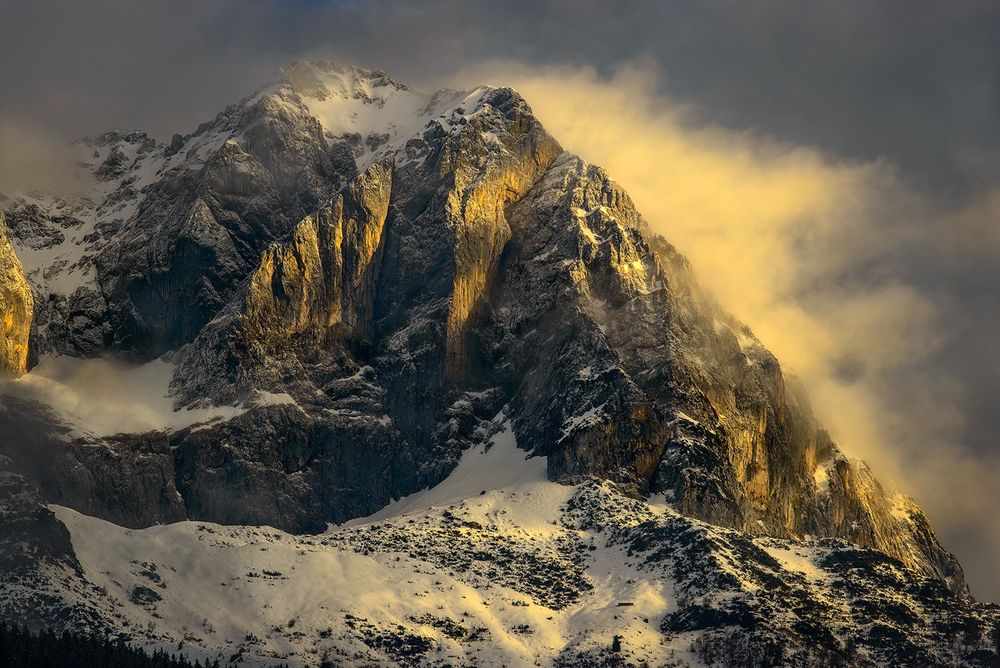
{"points": [[360, 374]]}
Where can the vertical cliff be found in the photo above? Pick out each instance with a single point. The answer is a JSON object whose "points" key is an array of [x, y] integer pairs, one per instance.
{"points": [[324, 274], [16, 309], [489, 169]]}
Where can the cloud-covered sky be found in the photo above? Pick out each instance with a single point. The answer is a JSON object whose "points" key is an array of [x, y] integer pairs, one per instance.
{"points": [[832, 168]]}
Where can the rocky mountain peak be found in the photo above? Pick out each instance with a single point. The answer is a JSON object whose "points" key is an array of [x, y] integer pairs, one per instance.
{"points": [[358, 284]]}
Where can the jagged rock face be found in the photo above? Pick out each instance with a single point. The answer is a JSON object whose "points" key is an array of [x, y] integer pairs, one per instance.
{"points": [[127, 478], [324, 275], [317, 282], [361, 317], [140, 261], [543, 333], [483, 185], [16, 309], [280, 467], [29, 532], [397, 243], [443, 245], [200, 230], [36, 552]]}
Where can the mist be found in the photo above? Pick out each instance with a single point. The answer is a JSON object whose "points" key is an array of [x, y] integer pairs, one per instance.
{"points": [[33, 158], [133, 398]]}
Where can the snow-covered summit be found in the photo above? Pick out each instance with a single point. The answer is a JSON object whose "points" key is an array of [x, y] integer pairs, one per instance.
{"points": [[370, 110], [322, 79]]}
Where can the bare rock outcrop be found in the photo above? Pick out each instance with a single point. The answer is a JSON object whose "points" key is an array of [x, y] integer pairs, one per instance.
{"points": [[16, 309], [127, 479]]}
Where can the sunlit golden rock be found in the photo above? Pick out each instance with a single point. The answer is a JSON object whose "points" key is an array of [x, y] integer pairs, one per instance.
{"points": [[16, 309], [323, 276], [487, 177], [659, 389]]}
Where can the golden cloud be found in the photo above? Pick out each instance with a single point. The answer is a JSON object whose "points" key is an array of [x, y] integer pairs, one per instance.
{"points": [[805, 248]]}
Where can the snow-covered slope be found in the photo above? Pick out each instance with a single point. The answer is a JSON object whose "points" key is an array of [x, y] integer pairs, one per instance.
{"points": [[477, 570], [57, 235], [497, 566]]}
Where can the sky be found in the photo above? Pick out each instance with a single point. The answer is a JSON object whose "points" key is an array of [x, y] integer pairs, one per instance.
{"points": [[832, 169]]}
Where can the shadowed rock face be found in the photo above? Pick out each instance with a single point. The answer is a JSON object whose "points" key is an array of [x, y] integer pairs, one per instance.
{"points": [[16, 309], [201, 228], [127, 479], [35, 551], [375, 324], [30, 535]]}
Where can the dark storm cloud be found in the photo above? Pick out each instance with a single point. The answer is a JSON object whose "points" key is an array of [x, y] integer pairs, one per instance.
{"points": [[908, 93], [916, 82]]}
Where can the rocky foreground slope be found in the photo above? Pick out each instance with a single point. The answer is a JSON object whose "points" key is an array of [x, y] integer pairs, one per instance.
{"points": [[343, 285]]}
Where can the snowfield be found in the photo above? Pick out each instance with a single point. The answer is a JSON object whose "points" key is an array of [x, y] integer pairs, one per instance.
{"points": [[497, 566], [384, 588], [381, 112]]}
